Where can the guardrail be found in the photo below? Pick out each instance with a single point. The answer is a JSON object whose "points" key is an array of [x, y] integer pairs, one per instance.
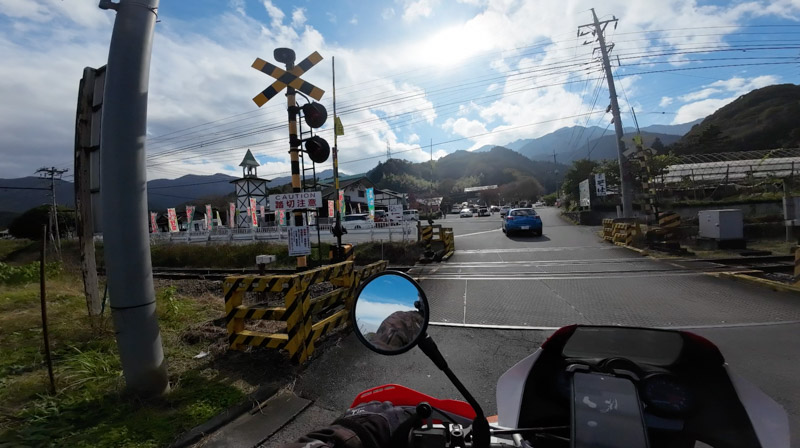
{"points": [[299, 311]]}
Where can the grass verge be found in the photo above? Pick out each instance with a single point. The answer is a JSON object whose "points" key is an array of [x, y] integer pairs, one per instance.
{"points": [[90, 407]]}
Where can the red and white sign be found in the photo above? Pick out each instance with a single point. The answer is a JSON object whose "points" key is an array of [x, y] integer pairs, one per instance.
{"points": [[231, 215], [292, 201], [209, 217], [342, 209], [253, 212], [282, 217], [263, 213], [331, 209], [172, 217], [189, 215], [153, 224]]}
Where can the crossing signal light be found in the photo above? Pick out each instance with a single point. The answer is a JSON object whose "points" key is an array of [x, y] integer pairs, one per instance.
{"points": [[315, 114], [318, 149]]}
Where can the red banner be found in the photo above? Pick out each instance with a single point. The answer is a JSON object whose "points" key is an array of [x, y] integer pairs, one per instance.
{"points": [[173, 220], [253, 212], [231, 215], [153, 224]]}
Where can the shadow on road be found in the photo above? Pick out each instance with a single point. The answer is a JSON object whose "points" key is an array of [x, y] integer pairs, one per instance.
{"points": [[527, 237]]}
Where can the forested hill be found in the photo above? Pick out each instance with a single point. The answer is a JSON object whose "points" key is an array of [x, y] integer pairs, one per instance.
{"points": [[765, 118], [462, 169]]}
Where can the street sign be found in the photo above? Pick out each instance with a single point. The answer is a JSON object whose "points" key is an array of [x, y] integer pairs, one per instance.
{"points": [[395, 213], [299, 241], [290, 78], [584, 191], [600, 184], [293, 201]]}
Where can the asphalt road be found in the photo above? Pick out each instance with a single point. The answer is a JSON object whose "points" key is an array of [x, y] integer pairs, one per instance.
{"points": [[498, 297]]}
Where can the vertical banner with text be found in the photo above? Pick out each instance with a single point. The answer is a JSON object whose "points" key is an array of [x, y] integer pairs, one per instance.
{"points": [[253, 212], [153, 224], [173, 220], [341, 203], [209, 217], [262, 213], [371, 203], [331, 209], [282, 217], [189, 216], [231, 215]]}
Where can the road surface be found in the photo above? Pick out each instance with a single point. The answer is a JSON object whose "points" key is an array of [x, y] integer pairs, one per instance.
{"points": [[499, 297]]}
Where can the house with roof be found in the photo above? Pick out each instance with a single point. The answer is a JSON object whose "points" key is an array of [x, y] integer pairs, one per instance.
{"points": [[355, 194]]}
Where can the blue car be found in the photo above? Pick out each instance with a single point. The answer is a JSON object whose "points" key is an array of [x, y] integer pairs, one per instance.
{"points": [[522, 219]]}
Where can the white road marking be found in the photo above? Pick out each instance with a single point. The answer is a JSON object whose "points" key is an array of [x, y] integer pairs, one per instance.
{"points": [[677, 327], [477, 233]]}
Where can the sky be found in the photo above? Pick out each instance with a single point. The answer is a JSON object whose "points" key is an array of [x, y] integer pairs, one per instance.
{"points": [[381, 297], [417, 78]]}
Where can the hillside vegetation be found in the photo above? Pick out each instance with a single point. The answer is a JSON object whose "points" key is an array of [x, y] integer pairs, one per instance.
{"points": [[765, 118]]}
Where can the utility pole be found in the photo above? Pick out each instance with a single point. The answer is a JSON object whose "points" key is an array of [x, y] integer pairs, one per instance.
{"points": [[124, 197], [624, 173], [337, 212], [52, 173]]}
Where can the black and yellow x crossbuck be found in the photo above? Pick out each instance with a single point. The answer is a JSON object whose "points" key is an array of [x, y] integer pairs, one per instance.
{"points": [[290, 78]]}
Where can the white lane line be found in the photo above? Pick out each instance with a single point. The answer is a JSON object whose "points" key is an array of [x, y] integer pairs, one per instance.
{"points": [[678, 327], [465, 301], [477, 233], [534, 276]]}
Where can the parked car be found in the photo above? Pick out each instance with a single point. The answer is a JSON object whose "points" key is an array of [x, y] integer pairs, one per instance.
{"points": [[465, 213], [494, 209], [504, 210], [474, 210], [411, 215], [359, 221], [483, 211], [522, 219]]}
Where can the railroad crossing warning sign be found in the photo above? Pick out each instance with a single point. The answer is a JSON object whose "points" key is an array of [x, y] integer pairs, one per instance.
{"points": [[290, 78]]}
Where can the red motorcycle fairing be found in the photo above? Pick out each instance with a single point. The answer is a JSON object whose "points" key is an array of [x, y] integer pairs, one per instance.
{"points": [[403, 396]]}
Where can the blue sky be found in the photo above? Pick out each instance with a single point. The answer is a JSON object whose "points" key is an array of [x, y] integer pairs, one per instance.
{"points": [[459, 74]]}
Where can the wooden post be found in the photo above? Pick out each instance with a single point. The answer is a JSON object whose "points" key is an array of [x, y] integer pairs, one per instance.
{"points": [[43, 297], [83, 197]]}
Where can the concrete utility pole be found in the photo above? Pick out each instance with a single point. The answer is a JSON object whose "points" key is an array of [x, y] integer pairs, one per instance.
{"points": [[624, 174], [52, 173], [124, 197]]}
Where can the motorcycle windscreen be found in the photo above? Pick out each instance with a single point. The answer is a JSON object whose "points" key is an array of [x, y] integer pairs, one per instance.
{"points": [[606, 412], [654, 347]]}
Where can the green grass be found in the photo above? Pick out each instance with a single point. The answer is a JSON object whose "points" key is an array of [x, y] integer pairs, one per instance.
{"points": [[8, 247], [90, 407], [227, 255]]}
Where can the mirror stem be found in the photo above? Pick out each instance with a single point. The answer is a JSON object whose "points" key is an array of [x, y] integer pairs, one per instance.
{"points": [[480, 426]]}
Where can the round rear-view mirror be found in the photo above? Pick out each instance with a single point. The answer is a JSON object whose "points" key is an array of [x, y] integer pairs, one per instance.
{"points": [[391, 313]]}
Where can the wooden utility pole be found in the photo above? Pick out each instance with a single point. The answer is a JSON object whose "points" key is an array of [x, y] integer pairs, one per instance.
{"points": [[87, 119], [52, 173], [43, 300]]}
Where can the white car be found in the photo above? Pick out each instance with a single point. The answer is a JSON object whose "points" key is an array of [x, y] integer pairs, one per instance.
{"points": [[354, 222], [465, 213]]}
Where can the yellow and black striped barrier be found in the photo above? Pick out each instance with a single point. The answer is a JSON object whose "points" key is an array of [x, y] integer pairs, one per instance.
{"points": [[348, 253], [669, 222], [429, 234], [608, 229], [449, 240], [299, 308]]}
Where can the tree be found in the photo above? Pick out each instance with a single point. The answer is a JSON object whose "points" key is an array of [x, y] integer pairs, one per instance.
{"points": [[657, 145], [29, 224], [579, 171]]}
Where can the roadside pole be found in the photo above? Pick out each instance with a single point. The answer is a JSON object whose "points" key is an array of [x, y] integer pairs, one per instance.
{"points": [[336, 126], [294, 152], [124, 197]]}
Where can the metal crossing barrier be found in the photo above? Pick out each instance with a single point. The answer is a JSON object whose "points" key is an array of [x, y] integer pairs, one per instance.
{"points": [[436, 233], [299, 310]]}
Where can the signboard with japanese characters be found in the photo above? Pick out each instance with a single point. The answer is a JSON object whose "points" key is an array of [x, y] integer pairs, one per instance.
{"points": [[371, 203], [600, 184], [172, 217], [331, 209], [583, 189], [253, 212], [189, 215], [282, 217], [395, 213], [153, 224], [341, 204], [299, 241], [231, 215], [209, 217], [294, 201]]}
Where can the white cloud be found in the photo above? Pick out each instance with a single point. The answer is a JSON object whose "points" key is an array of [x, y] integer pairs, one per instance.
{"points": [[464, 127], [700, 109], [298, 17], [354, 20], [414, 10], [665, 101], [699, 95], [275, 13], [413, 138], [699, 105], [238, 6], [388, 13], [331, 17]]}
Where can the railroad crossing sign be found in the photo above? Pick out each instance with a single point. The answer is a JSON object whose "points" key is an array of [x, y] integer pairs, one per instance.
{"points": [[290, 78]]}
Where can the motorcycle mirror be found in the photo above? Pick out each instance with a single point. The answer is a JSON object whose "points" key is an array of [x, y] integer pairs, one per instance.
{"points": [[391, 313]]}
